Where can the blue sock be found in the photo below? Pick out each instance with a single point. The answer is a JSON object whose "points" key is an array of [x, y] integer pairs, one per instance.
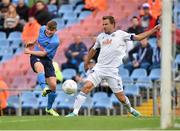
{"points": [[41, 80], [51, 98]]}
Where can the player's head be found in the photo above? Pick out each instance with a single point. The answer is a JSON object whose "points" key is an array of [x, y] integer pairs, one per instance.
{"points": [[51, 28], [108, 24]]}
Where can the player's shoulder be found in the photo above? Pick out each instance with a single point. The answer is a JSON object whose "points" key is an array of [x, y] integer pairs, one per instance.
{"points": [[120, 32], [56, 38], [42, 28], [101, 35]]}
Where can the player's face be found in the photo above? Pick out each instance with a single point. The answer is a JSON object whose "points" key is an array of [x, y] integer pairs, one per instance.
{"points": [[50, 32], [107, 26]]}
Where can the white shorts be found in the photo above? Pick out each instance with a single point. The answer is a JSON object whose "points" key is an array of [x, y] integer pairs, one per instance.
{"points": [[115, 83]]}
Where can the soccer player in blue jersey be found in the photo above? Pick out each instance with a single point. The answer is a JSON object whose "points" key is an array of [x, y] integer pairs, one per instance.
{"points": [[41, 61]]}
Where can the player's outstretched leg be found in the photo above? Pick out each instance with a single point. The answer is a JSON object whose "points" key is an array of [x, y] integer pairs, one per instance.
{"points": [[80, 99], [42, 81], [131, 110], [124, 99], [51, 98]]}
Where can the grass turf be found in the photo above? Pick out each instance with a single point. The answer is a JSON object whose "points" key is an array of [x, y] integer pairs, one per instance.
{"points": [[78, 123]]}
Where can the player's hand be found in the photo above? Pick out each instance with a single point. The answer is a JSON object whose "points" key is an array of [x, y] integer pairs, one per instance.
{"points": [[157, 28], [27, 51]]}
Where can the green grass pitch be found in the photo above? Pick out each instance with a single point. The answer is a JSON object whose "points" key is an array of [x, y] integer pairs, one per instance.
{"points": [[79, 123]]}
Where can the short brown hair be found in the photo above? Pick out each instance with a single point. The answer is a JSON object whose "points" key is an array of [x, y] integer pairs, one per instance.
{"points": [[52, 25], [110, 18]]}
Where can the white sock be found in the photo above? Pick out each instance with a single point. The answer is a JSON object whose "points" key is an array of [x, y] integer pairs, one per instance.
{"points": [[80, 99], [127, 104]]}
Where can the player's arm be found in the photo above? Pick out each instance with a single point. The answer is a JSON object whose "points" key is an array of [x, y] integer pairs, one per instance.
{"points": [[90, 55], [148, 33], [36, 53]]}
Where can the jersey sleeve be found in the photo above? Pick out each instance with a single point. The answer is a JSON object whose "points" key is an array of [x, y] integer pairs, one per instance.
{"points": [[97, 44], [127, 36]]}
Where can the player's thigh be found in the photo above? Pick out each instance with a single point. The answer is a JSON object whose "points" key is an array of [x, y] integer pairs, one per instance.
{"points": [[49, 69], [94, 77], [51, 82], [115, 84], [36, 64], [38, 67]]}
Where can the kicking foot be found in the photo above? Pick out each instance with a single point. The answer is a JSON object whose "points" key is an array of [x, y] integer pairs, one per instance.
{"points": [[135, 113], [71, 115], [46, 91], [52, 112]]}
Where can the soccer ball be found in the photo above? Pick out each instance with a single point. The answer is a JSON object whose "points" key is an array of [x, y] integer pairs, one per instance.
{"points": [[69, 87]]}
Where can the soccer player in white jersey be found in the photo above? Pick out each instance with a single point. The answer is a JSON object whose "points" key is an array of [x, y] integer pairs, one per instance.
{"points": [[112, 44]]}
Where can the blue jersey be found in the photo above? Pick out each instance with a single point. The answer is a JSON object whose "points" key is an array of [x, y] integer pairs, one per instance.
{"points": [[49, 44]]}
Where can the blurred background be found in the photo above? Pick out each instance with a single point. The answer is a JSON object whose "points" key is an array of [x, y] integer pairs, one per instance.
{"points": [[79, 22]]}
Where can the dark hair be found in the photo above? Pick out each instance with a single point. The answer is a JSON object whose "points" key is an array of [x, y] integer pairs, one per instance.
{"points": [[52, 25], [110, 18]]}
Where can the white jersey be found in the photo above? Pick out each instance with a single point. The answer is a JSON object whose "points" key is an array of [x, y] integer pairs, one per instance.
{"points": [[113, 47]]}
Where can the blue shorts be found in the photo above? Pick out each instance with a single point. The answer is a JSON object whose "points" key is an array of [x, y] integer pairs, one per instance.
{"points": [[46, 62]]}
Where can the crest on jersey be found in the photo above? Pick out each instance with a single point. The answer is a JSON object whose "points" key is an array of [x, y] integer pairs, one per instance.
{"points": [[46, 43], [113, 35]]}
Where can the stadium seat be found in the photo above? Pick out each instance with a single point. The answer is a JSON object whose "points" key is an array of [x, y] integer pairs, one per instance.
{"points": [[78, 9], [13, 102], [71, 22], [127, 81], [87, 105], [144, 82], [4, 43], [103, 103], [69, 15], [84, 14], [177, 59], [65, 8], [68, 73], [123, 72], [133, 90], [96, 97], [52, 8], [2, 36], [155, 74], [137, 73], [152, 42], [14, 36]]}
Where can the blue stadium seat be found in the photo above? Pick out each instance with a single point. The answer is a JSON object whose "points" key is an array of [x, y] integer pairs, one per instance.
{"points": [[103, 103], [26, 94], [114, 100], [13, 102], [65, 8], [2, 36], [31, 103], [123, 72], [96, 97], [71, 22], [131, 90], [84, 14], [42, 102], [4, 43], [68, 73], [52, 8], [127, 81], [144, 82], [137, 73], [69, 15], [155, 74], [14, 36], [78, 9], [59, 21], [152, 42], [177, 59]]}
